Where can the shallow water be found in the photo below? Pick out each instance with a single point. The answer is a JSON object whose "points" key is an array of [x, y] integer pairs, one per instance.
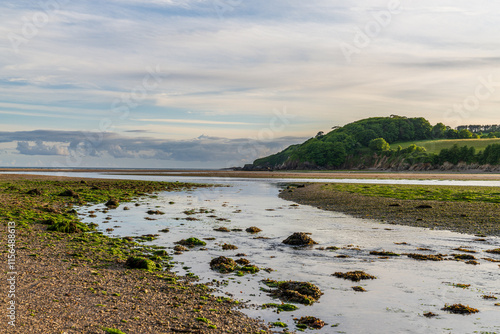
{"points": [[394, 302]]}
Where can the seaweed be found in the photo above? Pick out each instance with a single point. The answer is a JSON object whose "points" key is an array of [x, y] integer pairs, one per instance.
{"points": [[137, 262], [299, 239], [354, 276], [293, 291], [311, 322], [191, 242], [424, 257], [459, 309]]}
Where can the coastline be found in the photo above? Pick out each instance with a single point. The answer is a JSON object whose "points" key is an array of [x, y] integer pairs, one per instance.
{"points": [[79, 283], [477, 218], [292, 174], [60, 284]]}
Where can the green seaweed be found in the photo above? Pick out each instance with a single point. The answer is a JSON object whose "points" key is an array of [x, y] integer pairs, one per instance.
{"points": [[283, 307], [112, 331], [136, 262]]}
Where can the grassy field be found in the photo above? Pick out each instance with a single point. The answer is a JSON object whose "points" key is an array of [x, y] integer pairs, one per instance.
{"points": [[435, 146]]}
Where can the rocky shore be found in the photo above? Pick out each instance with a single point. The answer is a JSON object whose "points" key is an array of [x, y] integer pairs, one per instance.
{"points": [[79, 282]]}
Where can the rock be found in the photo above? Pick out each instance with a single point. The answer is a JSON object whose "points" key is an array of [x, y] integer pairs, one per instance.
{"points": [[253, 229], [295, 292], [112, 203], [463, 256], [160, 252], [424, 206], [191, 242], [155, 212], [69, 193], [229, 247], [136, 262], [311, 322], [223, 264], [299, 239], [35, 192], [180, 248], [222, 229], [243, 261]]}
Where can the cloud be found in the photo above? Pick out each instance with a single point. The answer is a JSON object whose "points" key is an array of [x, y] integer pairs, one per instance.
{"points": [[94, 144], [193, 121], [40, 149]]}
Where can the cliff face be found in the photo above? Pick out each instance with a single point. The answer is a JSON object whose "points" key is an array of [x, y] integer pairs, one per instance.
{"points": [[377, 162], [402, 164]]}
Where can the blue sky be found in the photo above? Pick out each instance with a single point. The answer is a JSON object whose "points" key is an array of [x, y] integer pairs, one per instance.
{"points": [[217, 83]]}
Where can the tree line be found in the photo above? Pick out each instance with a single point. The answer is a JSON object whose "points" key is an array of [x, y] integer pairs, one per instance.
{"points": [[480, 129], [454, 155]]}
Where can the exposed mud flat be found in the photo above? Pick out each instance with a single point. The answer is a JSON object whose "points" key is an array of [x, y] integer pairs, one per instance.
{"points": [[461, 216]]}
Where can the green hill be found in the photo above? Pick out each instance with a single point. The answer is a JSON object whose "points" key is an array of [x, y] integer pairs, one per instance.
{"points": [[394, 140]]}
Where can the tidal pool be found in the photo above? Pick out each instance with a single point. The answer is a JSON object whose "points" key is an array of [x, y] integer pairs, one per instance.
{"points": [[395, 302]]}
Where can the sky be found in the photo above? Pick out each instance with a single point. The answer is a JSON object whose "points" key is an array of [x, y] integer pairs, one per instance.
{"points": [[219, 83]]}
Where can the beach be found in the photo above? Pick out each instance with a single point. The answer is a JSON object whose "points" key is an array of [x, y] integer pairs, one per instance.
{"points": [[64, 285], [80, 283]]}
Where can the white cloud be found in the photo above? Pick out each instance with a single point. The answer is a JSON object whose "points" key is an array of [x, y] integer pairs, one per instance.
{"points": [[40, 148]]}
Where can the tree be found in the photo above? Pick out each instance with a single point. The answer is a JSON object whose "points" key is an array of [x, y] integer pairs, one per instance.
{"points": [[379, 144], [490, 155], [406, 130], [422, 128], [438, 131], [365, 136], [464, 134], [451, 134]]}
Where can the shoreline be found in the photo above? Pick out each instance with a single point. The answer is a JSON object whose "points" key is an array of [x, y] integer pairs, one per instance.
{"points": [[428, 175], [475, 218], [79, 283]]}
